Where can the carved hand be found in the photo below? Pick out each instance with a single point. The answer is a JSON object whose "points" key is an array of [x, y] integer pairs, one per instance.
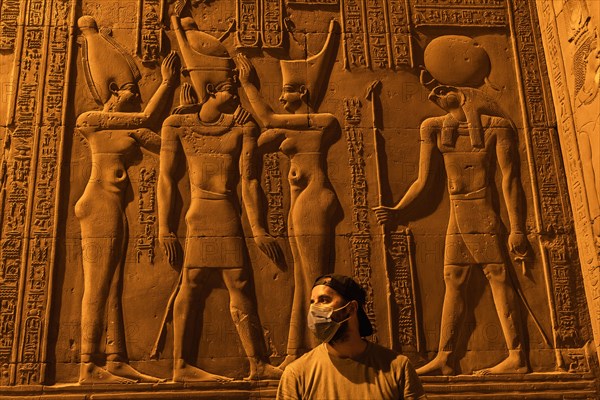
{"points": [[169, 68], [518, 245], [169, 245], [244, 67], [268, 245], [384, 214]]}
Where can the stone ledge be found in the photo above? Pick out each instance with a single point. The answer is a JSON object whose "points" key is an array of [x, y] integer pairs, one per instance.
{"points": [[538, 386]]}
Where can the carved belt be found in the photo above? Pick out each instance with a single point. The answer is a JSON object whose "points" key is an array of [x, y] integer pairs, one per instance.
{"points": [[478, 194], [199, 193]]}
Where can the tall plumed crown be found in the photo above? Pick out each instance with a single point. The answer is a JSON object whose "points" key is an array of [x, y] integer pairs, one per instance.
{"points": [[104, 61], [313, 71], [205, 58]]}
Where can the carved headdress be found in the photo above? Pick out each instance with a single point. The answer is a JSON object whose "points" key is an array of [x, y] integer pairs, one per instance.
{"points": [[313, 71], [206, 59], [107, 65], [457, 61]]}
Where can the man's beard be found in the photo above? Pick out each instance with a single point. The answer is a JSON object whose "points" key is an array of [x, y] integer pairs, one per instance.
{"points": [[341, 335]]}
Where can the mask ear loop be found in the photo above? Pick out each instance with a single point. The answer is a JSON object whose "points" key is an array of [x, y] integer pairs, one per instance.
{"points": [[341, 308]]}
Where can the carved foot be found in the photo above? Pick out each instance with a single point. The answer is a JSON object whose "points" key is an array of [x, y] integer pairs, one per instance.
{"points": [[439, 365], [91, 374], [125, 370], [290, 358], [515, 363], [189, 373], [262, 370]]}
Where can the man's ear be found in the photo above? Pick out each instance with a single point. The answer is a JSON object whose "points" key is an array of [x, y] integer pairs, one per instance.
{"points": [[354, 307], [114, 88], [210, 89], [303, 92]]}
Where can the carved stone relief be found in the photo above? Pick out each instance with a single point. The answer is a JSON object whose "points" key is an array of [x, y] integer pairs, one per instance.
{"points": [[175, 174], [571, 49]]}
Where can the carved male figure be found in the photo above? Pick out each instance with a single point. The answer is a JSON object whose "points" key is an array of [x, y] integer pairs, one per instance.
{"points": [[469, 148], [219, 144], [114, 135], [304, 135]]}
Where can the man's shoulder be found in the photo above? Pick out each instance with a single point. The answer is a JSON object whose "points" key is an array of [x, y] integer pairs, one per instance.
{"points": [[181, 120], [385, 355], [307, 360]]}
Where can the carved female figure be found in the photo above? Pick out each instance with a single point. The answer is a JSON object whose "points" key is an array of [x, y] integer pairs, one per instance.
{"points": [[113, 134], [304, 137]]}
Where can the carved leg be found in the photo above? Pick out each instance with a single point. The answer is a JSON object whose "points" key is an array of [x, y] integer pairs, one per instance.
{"points": [[245, 318], [98, 271], [184, 311], [455, 278], [508, 313], [311, 233], [115, 336], [116, 353], [101, 217], [297, 332]]}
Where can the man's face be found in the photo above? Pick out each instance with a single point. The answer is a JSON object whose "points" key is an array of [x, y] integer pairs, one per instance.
{"points": [[323, 295], [291, 98], [226, 96], [128, 100]]}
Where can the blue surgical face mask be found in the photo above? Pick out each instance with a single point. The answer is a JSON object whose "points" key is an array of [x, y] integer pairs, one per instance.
{"points": [[322, 323]]}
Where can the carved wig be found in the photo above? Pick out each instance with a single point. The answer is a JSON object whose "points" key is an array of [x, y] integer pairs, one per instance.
{"points": [[312, 72], [206, 59], [105, 61]]}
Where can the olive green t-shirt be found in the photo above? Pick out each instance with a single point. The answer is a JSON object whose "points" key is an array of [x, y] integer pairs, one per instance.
{"points": [[378, 373]]}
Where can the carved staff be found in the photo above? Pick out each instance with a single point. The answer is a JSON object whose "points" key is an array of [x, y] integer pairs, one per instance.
{"points": [[168, 314], [371, 96]]}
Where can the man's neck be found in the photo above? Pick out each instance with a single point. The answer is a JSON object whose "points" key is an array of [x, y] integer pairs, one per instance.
{"points": [[349, 347], [209, 113]]}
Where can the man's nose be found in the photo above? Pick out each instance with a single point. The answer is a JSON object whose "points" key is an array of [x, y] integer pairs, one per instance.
{"points": [[281, 99]]}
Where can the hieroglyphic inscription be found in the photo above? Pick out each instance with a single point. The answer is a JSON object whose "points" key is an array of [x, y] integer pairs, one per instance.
{"points": [[146, 214], [378, 33], [27, 249], [549, 195], [315, 2], [274, 192], [483, 13], [43, 228], [149, 30], [272, 23], [360, 239], [400, 32], [401, 279], [554, 209], [9, 13], [353, 33], [248, 23], [568, 324], [18, 185]]}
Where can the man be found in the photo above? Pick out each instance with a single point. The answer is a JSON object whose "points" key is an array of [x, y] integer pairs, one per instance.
{"points": [[468, 142], [346, 366], [219, 144]]}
